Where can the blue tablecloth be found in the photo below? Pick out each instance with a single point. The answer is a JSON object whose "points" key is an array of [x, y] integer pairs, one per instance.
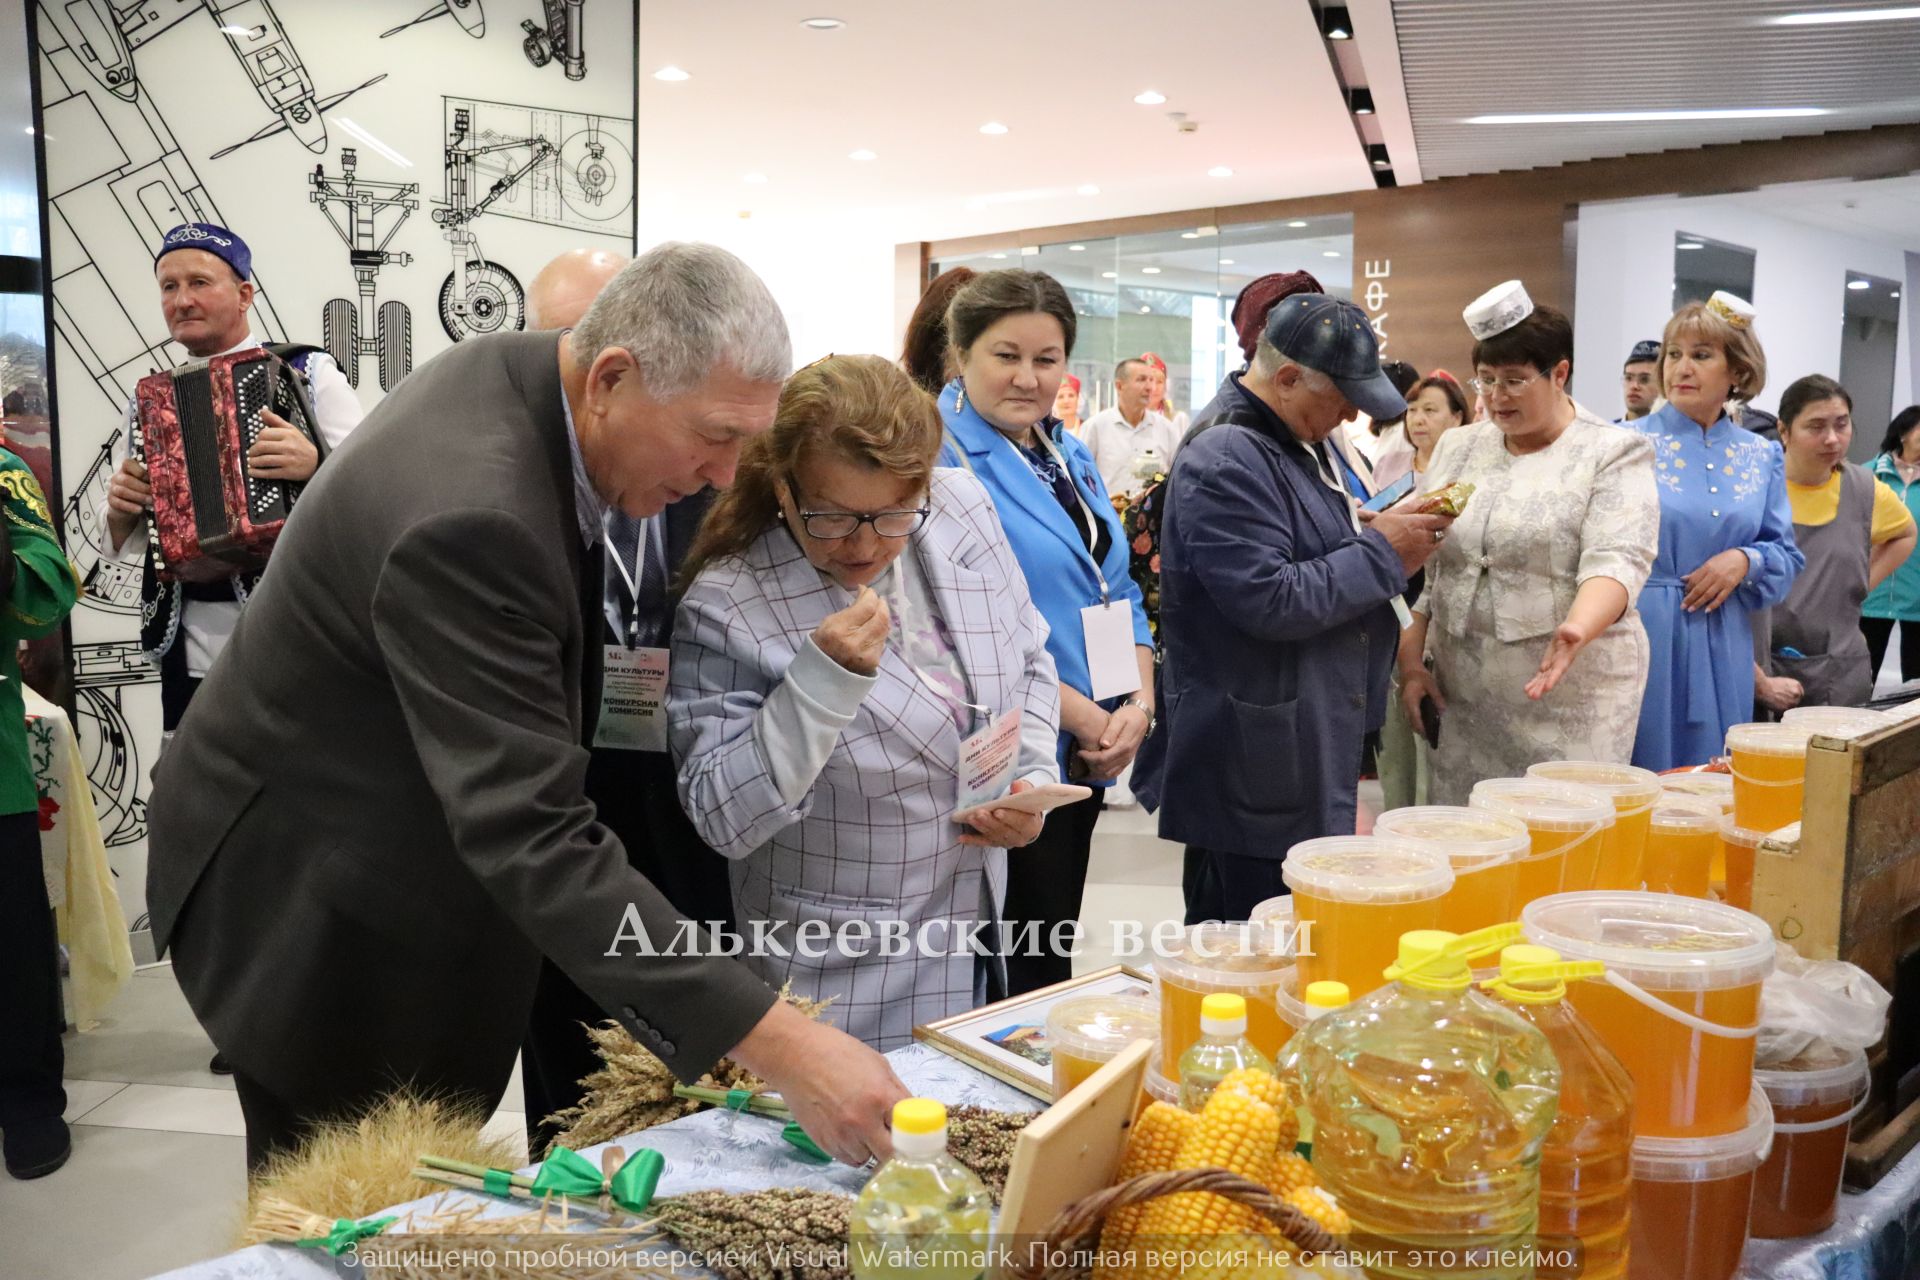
{"points": [[1877, 1236]]}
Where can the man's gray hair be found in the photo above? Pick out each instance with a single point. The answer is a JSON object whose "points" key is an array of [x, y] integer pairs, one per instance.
{"points": [[682, 310], [1268, 360]]}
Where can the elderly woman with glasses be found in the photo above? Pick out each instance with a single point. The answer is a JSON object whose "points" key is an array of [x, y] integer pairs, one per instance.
{"points": [[1528, 616], [1726, 535], [855, 651]]}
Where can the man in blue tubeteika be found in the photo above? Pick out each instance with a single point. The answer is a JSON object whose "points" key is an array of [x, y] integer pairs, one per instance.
{"points": [[1277, 612]]}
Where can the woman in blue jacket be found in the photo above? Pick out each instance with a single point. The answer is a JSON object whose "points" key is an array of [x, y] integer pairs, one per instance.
{"points": [[1012, 332]]}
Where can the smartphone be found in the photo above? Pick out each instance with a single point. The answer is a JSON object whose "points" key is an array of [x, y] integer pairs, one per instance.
{"points": [[1430, 720], [1391, 494]]}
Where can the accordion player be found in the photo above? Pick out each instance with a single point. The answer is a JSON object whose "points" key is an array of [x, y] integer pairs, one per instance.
{"points": [[193, 428]]}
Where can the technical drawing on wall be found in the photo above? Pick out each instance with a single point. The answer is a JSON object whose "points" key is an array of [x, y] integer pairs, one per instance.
{"points": [[101, 675], [562, 40], [351, 329], [468, 13], [562, 168]]}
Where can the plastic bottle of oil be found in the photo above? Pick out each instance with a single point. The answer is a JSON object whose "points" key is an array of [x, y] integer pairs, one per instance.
{"points": [[1586, 1167], [1222, 1048], [1431, 1103], [923, 1213], [1318, 998]]}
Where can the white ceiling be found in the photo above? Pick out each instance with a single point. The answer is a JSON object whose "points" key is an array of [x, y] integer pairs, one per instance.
{"points": [[1462, 58], [1887, 209], [913, 81]]}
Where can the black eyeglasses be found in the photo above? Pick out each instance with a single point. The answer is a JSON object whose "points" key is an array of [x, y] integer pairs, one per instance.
{"points": [[832, 526]]}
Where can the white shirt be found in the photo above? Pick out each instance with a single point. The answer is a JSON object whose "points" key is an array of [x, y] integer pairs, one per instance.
{"points": [[1128, 456], [206, 625]]}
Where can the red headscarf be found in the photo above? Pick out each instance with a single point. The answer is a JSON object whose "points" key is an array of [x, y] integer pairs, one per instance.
{"points": [[1155, 361], [1073, 382], [1257, 299]]}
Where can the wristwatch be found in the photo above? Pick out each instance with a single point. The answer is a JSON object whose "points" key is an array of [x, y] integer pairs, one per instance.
{"points": [[1151, 721]]}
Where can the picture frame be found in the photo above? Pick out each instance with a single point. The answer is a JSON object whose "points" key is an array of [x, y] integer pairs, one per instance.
{"points": [[1007, 1039]]}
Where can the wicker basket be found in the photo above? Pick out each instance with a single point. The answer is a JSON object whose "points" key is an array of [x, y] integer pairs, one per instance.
{"points": [[1075, 1233]]}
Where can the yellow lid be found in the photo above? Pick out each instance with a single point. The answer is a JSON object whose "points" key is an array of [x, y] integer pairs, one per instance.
{"points": [[1521, 954], [1435, 960], [919, 1115], [1532, 974], [1224, 1006], [1327, 994]]}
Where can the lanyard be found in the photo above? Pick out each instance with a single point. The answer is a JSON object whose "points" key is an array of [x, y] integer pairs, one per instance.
{"points": [[1093, 529], [649, 531], [1400, 610]]}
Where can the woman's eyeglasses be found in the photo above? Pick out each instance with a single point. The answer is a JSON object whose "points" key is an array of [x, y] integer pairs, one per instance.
{"points": [[832, 526], [1507, 386]]}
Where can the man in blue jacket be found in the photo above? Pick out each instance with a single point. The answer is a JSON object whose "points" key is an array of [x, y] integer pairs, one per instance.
{"points": [[1277, 612]]}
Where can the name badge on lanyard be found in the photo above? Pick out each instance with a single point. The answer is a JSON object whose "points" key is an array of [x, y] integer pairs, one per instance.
{"points": [[633, 699], [1112, 670]]}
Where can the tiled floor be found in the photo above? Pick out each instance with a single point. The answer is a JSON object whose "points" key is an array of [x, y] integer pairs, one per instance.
{"points": [[157, 1181]]}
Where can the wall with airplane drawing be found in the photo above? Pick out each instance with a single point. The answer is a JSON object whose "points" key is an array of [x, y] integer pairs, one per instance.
{"points": [[401, 168]]}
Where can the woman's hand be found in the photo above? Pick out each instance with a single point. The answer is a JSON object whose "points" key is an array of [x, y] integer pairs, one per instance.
{"points": [[1119, 741], [1709, 586], [1005, 828], [1778, 693], [1569, 638], [856, 636], [1417, 684]]}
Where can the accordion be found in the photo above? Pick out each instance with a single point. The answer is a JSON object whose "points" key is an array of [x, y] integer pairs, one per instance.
{"points": [[192, 427]]}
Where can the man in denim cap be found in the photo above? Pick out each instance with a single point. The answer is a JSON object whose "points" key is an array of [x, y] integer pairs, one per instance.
{"points": [[1277, 612]]}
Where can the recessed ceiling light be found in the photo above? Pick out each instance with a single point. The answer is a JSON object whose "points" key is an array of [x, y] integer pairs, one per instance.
{"points": [[1219, 171], [993, 127], [1087, 189], [29, 128], [822, 24], [1298, 222], [1335, 23], [1896, 293], [1643, 117], [1149, 271], [1361, 101], [1383, 164], [1689, 244], [997, 256], [1146, 311], [1150, 98], [1226, 262], [754, 177], [671, 74], [1189, 235], [1846, 15], [1075, 248], [1330, 253], [1109, 275], [862, 154], [1858, 284]]}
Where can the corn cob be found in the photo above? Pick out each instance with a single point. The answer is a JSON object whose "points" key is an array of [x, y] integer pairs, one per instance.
{"points": [[1158, 1134], [1276, 1093], [1318, 1203], [1236, 1133], [1290, 1173]]}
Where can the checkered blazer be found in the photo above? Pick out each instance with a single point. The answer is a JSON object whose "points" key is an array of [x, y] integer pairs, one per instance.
{"points": [[874, 839]]}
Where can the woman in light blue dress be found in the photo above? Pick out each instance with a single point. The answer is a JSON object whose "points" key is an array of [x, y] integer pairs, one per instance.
{"points": [[1726, 537]]}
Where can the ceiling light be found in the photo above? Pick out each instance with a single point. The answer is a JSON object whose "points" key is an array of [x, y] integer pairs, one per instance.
{"points": [[1377, 153], [1334, 22], [1896, 293], [1219, 171], [29, 129], [1330, 253], [671, 74], [1146, 311], [993, 127], [862, 154], [1109, 275], [1643, 117], [822, 24], [1150, 97], [1149, 271], [1361, 101], [1189, 235], [1075, 248], [754, 177], [1087, 189], [1846, 15], [997, 256], [1226, 262], [1383, 164], [1689, 244], [1298, 222], [1858, 284]]}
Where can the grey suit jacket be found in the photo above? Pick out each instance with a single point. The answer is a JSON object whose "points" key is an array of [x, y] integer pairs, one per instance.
{"points": [[371, 822]]}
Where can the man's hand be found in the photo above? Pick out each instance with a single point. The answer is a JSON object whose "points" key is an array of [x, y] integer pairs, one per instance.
{"points": [[1413, 538], [856, 636], [1709, 586], [1778, 693], [128, 497], [281, 452], [841, 1092], [1005, 828], [1119, 741]]}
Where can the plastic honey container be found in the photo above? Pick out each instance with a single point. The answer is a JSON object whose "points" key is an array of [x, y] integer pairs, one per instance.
{"points": [[1246, 960], [1353, 896], [1680, 1001], [1838, 722], [1739, 856], [1814, 1099], [1692, 1197], [1485, 849], [1622, 847], [1085, 1034], [1683, 837], [1769, 763], [1566, 821]]}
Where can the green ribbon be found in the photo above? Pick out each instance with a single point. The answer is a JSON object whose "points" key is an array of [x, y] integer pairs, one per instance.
{"points": [[497, 1182], [794, 1134], [739, 1099], [346, 1234], [568, 1173]]}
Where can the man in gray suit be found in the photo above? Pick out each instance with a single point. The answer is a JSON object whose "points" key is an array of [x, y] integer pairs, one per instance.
{"points": [[371, 824]]}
